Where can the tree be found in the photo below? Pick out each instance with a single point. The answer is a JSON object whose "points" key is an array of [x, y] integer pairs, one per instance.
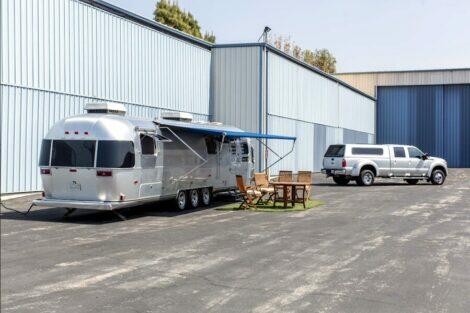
{"points": [[322, 58], [170, 14]]}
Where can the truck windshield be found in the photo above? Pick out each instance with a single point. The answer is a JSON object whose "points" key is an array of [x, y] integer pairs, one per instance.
{"points": [[115, 154], [73, 153], [335, 151]]}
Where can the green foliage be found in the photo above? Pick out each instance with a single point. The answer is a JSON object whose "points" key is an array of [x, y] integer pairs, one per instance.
{"points": [[170, 14], [320, 58]]}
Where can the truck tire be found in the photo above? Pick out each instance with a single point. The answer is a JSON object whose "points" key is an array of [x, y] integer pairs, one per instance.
{"points": [[366, 178], [438, 177], [412, 181], [182, 200], [194, 198], [340, 180], [206, 196]]}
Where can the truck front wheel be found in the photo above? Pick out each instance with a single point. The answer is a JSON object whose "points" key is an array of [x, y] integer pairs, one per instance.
{"points": [[340, 180], [438, 177], [366, 178]]}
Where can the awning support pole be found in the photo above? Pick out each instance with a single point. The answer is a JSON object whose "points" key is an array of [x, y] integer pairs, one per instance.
{"points": [[279, 157]]}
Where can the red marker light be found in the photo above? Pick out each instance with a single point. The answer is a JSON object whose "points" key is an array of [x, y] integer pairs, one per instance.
{"points": [[46, 171], [67, 132], [122, 197], [86, 133], [73, 170], [76, 132], [343, 164], [104, 173]]}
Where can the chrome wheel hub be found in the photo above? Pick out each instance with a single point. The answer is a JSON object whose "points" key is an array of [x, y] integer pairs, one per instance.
{"points": [[367, 178], [194, 198], [438, 178], [206, 196], [181, 200]]}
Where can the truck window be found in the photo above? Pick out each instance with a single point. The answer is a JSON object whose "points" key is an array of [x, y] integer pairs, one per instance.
{"points": [[414, 152], [367, 151], [147, 144], [211, 145], [45, 152], [335, 151], [73, 153], [115, 154], [399, 152]]}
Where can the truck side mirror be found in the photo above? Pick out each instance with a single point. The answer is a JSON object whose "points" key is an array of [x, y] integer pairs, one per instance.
{"points": [[425, 156]]}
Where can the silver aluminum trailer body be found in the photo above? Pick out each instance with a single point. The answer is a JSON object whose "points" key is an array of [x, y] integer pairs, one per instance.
{"points": [[105, 160]]}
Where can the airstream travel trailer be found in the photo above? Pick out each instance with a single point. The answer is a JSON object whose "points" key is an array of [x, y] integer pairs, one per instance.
{"points": [[106, 160]]}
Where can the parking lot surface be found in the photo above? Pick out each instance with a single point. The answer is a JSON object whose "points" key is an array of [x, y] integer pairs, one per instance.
{"points": [[391, 247]]}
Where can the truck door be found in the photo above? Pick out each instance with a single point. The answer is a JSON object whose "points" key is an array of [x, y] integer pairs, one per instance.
{"points": [[416, 162], [399, 161]]}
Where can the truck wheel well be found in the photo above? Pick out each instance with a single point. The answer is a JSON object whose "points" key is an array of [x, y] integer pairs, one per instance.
{"points": [[369, 167], [439, 167]]}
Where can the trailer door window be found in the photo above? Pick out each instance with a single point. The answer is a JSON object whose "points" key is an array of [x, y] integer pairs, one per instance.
{"points": [[147, 144], [45, 153], [115, 154], [211, 145], [73, 153]]}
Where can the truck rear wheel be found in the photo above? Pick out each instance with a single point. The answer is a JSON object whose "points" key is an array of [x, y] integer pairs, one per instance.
{"points": [[343, 181], [438, 177], [366, 178]]}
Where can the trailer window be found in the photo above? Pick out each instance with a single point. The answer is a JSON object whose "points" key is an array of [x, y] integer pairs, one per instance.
{"points": [[147, 144], [73, 153], [245, 149], [367, 151], [211, 145], [45, 152], [115, 154], [335, 151]]}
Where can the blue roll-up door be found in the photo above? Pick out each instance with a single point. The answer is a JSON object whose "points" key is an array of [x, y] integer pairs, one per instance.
{"points": [[434, 118]]}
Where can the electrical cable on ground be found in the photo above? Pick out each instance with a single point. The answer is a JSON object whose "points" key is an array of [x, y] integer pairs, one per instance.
{"points": [[17, 211]]}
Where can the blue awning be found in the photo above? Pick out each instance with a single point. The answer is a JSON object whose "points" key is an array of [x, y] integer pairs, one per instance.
{"points": [[220, 130]]}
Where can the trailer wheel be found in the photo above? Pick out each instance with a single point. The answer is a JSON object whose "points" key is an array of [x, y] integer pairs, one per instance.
{"points": [[182, 200], [206, 196], [194, 198]]}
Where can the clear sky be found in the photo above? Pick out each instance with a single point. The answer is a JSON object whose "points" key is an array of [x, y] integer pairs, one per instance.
{"points": [[364, 35]]}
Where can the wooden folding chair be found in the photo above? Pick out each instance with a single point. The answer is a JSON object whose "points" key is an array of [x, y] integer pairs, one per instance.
{"points": [[262, 185], [248, 193], [304, 177], [284, 176]]}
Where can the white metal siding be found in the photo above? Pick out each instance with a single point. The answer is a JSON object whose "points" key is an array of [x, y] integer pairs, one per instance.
{"points": [[70, 47], [356, 112], [236, 87], [298, 93], [27, 115]]}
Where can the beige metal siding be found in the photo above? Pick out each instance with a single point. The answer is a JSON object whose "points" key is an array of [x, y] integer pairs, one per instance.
{"points": [[367, 82]]}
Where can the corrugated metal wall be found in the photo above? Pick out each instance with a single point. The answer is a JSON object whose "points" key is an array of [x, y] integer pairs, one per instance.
{"points": [[299, 93], [367, 82], [59, 54], [433, 118]]}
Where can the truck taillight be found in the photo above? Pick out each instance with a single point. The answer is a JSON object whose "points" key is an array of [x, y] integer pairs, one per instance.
{"points": [[104, 173], [46, 171], [343, 163]]}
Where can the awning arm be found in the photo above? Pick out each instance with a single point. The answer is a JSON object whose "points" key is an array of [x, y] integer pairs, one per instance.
{"points": [[279, 157]]}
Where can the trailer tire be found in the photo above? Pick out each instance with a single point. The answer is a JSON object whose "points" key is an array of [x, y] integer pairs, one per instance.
{"points": [[206, 196], [194, 198], [182, 200]]}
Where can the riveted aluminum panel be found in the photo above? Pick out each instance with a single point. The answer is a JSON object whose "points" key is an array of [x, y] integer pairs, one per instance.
{"points": [[26, 117], [71, 47], [433, 118]]}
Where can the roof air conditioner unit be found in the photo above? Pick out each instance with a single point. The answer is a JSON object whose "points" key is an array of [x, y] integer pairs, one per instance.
{"points": [[106, 108], [178, 116]]}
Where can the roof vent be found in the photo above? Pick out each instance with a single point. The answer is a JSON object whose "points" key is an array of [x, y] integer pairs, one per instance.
{"points": [[106, 108], [178, 116]]}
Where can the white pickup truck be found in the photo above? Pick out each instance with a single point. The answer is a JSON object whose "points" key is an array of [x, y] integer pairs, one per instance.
{"points": [[364, 162]]}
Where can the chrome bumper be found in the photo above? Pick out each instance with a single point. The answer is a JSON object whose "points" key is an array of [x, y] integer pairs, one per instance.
{"points": [[336, 172], [77, 204]]}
